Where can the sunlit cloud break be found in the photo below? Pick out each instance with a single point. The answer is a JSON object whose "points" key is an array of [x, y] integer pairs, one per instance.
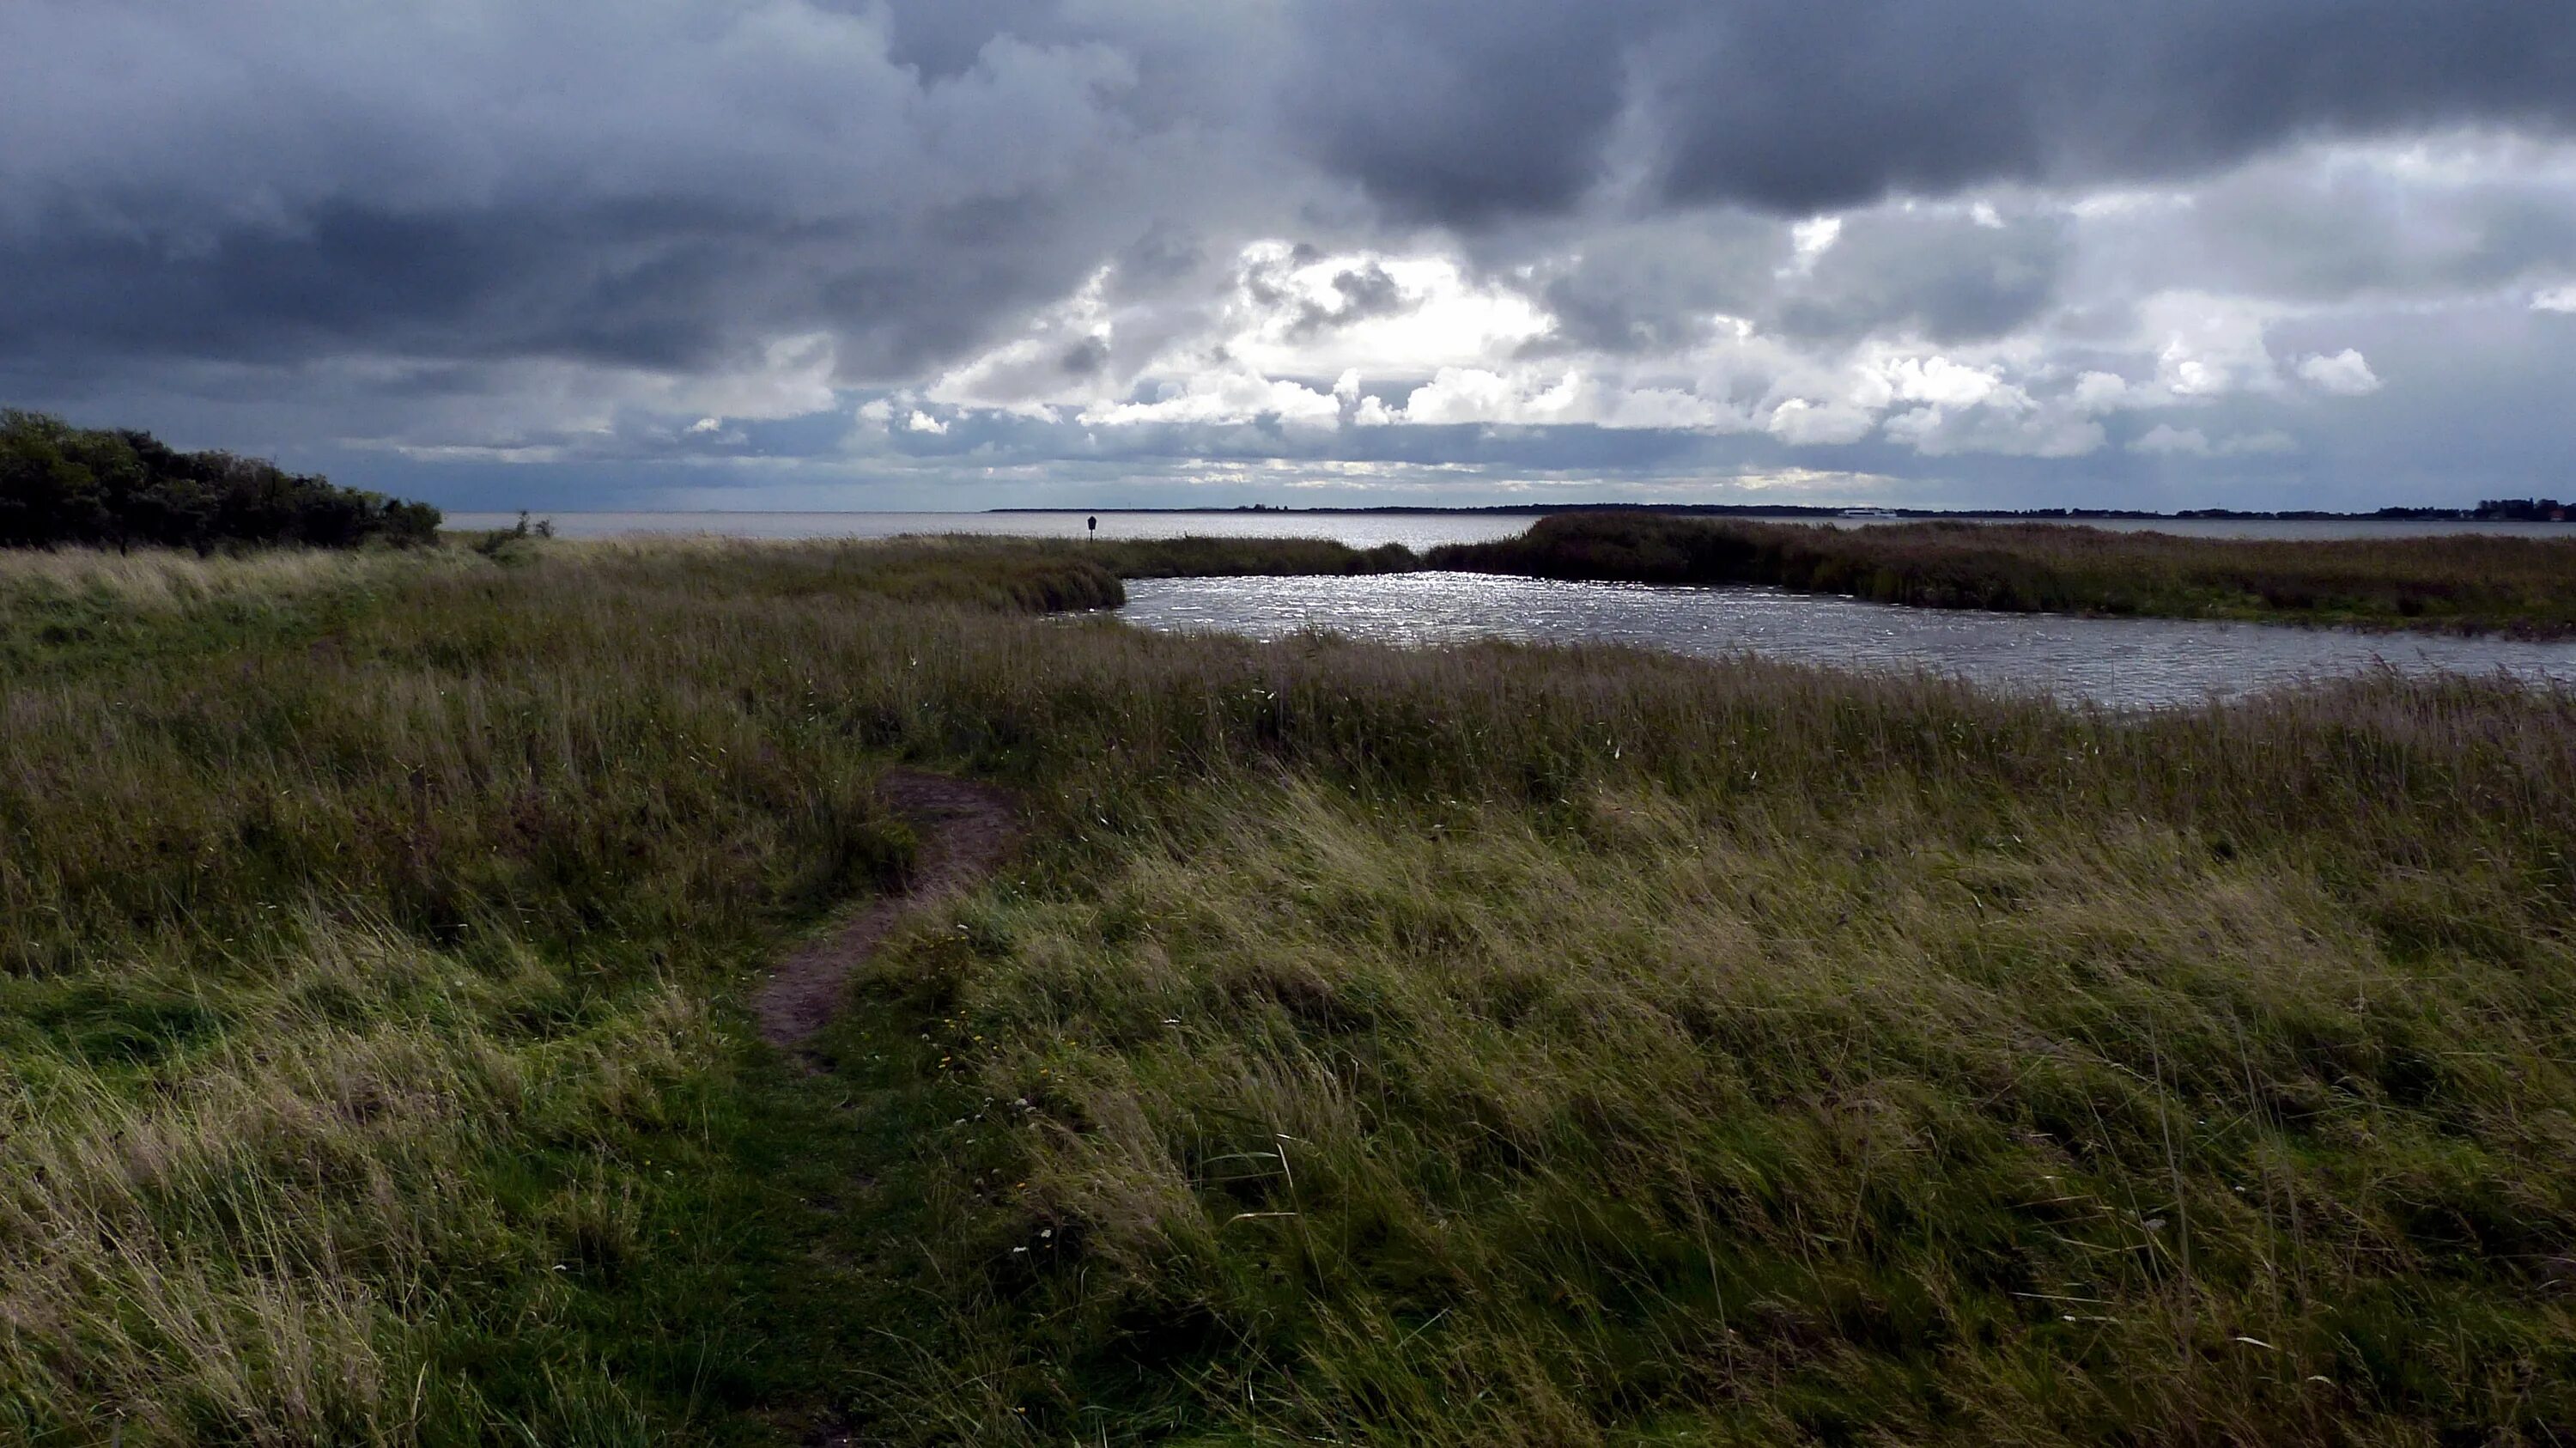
{"points": [[917, 254]]}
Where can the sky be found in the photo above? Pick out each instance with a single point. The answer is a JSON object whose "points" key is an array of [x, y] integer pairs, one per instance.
{"points": [[936, 254]]}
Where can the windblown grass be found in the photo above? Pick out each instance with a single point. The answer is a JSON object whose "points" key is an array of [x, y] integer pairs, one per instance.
{"points": [[76, 608], [1005, 574], [2451, 581], [1496, 1045]]}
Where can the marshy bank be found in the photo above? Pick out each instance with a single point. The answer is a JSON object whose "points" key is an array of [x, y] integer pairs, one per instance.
{"points": [[2461, 582], [1482, 1045]]}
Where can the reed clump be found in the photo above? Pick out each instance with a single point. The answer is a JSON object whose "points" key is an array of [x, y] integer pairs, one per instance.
{"points": [[1206, 557], [2460, 582], [1490, 1045]]}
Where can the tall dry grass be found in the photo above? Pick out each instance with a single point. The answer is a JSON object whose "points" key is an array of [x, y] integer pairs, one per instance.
{"points": [[1484, 1045], [164, 578]]}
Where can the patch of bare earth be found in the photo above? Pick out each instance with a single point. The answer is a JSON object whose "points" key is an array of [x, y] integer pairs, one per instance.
{"points": [[964, 827]]}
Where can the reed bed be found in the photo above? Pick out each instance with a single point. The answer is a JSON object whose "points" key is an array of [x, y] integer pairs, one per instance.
{"points": [[2461, 582], [1490, 1045]]}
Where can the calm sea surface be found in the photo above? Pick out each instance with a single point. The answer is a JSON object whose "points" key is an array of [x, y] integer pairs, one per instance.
{"points": [[1360, 530], [2121, 663]]}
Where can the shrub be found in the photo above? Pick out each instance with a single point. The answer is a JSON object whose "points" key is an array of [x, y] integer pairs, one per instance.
{"points": [[119, 488]]}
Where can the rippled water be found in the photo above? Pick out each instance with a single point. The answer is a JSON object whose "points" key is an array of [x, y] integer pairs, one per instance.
{"points": [[2123, 663]]}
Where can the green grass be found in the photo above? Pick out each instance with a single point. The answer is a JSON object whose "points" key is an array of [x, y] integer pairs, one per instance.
{"points": [[2459, 582], [1005, 574], [1498, 1045]]}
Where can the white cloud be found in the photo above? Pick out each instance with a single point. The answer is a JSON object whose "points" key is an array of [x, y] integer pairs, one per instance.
{"points": [[2164, 437], [1801, 423], [1945, 405], [1530, 397], [2103, 392], [1940, 381], [2014, 430], [712, 430], [786, 377], [1358, 337], [1473, 394], [1032, 369], [2167, 440], [1662, 407], [1314, 314], [921, 421], [2209, 346], [2555, 299], [1809, 240], [1230, 397], [2345, 374]]}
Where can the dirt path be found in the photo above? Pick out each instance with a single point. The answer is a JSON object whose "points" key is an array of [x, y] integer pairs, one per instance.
{"points": [[965, 828]]}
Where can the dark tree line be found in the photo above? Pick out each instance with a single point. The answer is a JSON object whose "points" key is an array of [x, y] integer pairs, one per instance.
{"points": [[117, 488], [2524, 510]]}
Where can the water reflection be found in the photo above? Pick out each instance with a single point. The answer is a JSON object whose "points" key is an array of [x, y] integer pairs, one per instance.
{"points": [[2123, 663]]}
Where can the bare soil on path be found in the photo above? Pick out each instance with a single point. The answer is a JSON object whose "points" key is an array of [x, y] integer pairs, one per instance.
{"points": [[965, 828]]}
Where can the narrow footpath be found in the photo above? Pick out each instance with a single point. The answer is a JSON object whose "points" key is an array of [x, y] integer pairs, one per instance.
{"points": [[965, 828]]}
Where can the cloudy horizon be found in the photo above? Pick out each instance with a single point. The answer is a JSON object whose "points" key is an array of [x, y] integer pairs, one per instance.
{"points": [[1096, 253]]}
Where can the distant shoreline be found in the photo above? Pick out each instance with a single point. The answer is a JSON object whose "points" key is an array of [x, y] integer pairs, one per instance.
{"points": [[1536, 510], [1783, 510]]}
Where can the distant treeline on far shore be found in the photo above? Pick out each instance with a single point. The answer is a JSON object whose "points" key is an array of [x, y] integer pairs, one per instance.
{"points": [[118, 488]]}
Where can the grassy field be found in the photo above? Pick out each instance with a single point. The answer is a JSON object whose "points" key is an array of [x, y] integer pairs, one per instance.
{"points": [[2459, 582], [1488, 1046]]}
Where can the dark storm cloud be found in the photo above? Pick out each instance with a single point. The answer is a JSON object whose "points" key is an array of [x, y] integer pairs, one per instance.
{"points": [[1461, 111], [642, 285], [2297, 229], [1652, 286], [654, 186], [577, 228], [1359, 293], [619, 287], [660, 185], [1947, 277], [1943, 274], [1086, 358], [941, 38]]}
